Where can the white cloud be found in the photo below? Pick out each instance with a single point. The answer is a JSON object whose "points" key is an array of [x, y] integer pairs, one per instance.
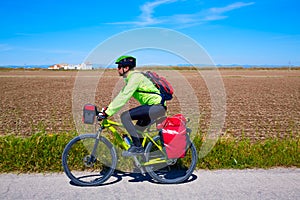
{"points": [[211, 14], [147, 17], [230, 7]]}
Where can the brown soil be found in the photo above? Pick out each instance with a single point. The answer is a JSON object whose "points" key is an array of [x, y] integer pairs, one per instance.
{"points": [[260, 103]]}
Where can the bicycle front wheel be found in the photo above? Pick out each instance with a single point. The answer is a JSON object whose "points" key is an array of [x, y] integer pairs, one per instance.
{"points": [[173, 170], [89, 161]]}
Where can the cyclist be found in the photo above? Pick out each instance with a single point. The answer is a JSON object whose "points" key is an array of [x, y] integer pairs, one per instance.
{"points": [[145, 92]]}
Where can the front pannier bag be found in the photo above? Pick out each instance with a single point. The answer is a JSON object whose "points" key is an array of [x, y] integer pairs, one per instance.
{"points": [[89, 113], [174, 136]]}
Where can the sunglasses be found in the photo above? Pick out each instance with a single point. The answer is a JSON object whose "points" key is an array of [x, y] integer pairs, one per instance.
{"points": [[120, 66]]}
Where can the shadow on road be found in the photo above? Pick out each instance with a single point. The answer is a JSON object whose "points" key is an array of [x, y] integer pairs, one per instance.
{"points": [[134, 177]]}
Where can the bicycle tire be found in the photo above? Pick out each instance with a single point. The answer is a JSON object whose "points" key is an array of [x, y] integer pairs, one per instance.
{"points": [[178, 171], [76, 155]]}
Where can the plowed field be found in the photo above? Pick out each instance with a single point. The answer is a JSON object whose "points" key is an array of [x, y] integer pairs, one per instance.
{"points": [[259, 103]]}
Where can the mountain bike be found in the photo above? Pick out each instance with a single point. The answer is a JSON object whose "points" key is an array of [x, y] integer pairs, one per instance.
{"points": [[90, 159]]}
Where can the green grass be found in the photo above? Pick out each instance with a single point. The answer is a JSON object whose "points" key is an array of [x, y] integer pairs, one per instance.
{"points": [[42, 153], [38, 153], [260, 154]]}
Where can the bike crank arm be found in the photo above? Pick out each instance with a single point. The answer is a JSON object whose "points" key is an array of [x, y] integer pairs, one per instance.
{"points": [[138, 164]]}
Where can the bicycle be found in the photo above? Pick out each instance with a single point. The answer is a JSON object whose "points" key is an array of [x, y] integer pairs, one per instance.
{"points": [[90, 159]]}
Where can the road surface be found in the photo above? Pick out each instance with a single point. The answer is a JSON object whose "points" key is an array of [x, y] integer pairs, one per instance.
{"points": [[204, 184]]}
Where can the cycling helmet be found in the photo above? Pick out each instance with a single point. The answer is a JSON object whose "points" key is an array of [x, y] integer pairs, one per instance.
{"points": [[125, 61]]}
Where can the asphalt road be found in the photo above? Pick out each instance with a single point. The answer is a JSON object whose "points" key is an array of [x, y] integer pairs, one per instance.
{"points": [[204, 184]]}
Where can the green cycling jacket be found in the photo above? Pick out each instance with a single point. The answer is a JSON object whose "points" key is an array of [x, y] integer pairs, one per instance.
{"points": [[135, 83]]}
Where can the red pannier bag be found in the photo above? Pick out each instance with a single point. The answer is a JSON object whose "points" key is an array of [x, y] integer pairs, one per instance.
{"points": [[174, 136]]}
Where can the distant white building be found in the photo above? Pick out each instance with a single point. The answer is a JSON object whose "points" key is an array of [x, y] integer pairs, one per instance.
{"points": [[82, 66], [56, 66]]}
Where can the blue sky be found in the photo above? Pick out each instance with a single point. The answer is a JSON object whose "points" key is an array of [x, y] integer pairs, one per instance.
{"points": [[232, 32]]}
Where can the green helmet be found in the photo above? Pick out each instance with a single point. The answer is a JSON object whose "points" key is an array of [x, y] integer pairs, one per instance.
{"points": [[125, 61]]}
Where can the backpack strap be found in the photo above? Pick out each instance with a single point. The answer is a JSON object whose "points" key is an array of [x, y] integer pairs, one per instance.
{"points": [[162, 102]]}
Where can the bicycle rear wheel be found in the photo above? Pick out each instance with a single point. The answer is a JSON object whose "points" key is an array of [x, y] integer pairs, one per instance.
{"points": [[87, 161], [173, 170]]}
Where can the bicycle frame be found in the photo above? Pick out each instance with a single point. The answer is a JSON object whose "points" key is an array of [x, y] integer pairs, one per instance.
{"points": [[110, 125]]}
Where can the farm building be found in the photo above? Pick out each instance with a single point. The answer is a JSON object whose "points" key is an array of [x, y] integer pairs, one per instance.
{"points": [[82, 66]]}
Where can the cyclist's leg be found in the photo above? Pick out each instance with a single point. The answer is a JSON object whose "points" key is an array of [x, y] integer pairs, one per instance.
{"points": [[144, 115], [155, 112], [140, 126]]}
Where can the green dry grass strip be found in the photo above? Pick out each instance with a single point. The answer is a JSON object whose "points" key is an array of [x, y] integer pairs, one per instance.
{"points": [[260, 154], [38, 153], [42, 153]]}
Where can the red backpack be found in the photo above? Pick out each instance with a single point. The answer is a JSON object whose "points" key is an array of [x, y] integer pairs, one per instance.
{"points": [[173, 134], [161, 83]]}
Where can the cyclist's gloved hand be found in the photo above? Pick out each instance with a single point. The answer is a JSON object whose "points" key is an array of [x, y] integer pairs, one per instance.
{"points": [[102, 115]]}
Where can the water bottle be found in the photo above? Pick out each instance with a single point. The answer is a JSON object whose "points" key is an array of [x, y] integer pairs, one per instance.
{"points": [[127, 139]]}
